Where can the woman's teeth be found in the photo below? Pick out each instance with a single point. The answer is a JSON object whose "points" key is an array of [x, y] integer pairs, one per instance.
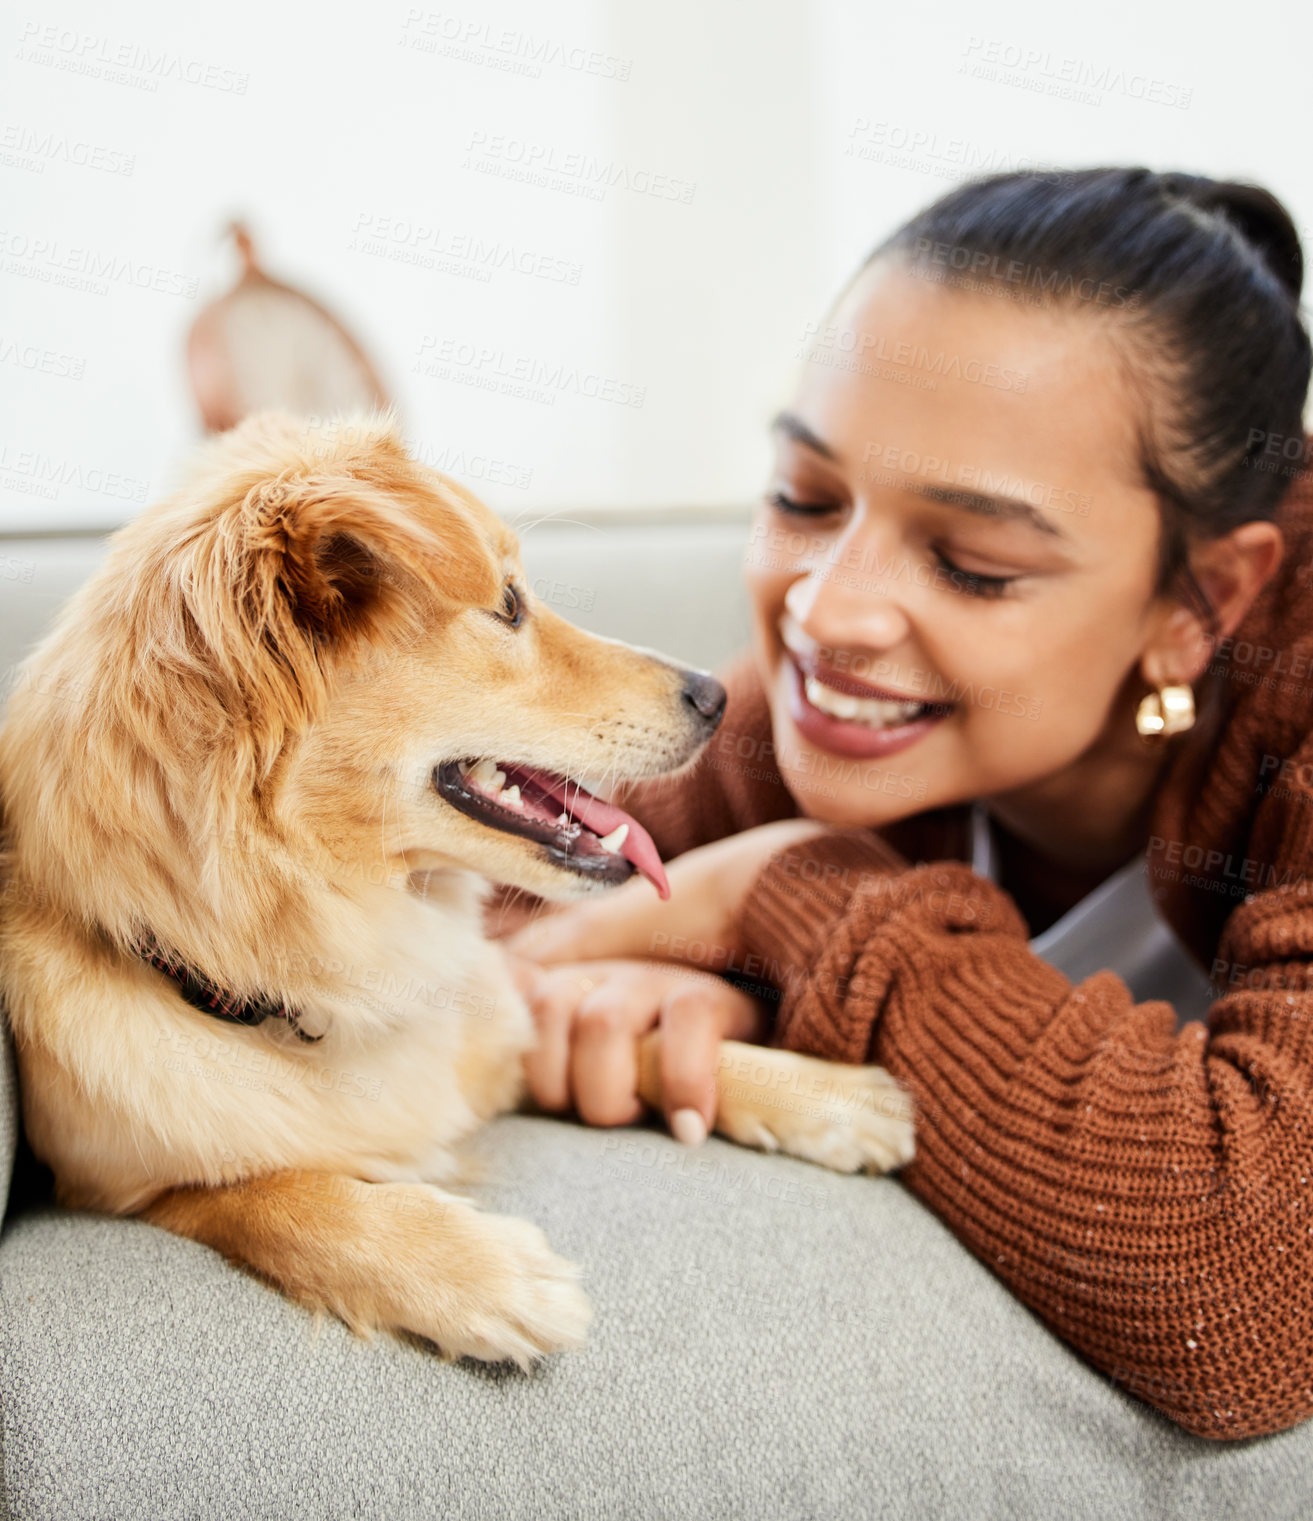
{"points": [[872, 711]]}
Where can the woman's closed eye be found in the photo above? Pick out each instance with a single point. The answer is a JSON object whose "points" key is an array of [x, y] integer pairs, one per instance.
{"points": [[792, 505], [971, 583], [967, 582]]}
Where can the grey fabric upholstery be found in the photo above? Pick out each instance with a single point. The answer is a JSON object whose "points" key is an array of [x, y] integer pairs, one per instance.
{"points": [[770, 1340]]}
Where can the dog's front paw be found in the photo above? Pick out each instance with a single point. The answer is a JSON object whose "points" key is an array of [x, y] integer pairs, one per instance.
{"points": [[849, 1119], [540, 1307], [519, 1301]]}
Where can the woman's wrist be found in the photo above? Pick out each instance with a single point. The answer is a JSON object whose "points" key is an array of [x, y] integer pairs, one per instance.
{"points": [[696, 926]]}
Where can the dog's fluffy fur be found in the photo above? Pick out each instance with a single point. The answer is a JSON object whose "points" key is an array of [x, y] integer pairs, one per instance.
{"points": [[228, 740]]}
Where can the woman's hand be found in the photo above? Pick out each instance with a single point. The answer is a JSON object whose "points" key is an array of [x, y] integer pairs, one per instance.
{"points": [[707, 889], [591, 1017]]}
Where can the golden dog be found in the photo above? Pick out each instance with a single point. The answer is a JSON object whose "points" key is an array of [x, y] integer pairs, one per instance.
{"points": [[308, 680]]}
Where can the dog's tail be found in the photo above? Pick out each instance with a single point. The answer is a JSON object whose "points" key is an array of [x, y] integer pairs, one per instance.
{"points": [[398, 1257]]}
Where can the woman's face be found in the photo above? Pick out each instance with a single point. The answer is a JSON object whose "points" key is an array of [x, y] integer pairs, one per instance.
{"points": [[955, 516]]}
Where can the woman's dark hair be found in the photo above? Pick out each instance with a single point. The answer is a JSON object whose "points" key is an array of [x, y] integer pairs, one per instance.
{"points": [[1201, 276]]}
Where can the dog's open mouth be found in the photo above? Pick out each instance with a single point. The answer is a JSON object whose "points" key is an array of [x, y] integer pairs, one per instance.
{"points": [[579, 831]]}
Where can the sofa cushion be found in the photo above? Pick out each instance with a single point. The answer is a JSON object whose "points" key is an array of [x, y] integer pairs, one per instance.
{"points": [[770, 1340]]}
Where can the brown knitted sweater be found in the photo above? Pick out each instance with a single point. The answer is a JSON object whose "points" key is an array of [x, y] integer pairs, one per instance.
{"points": [[1147, 1192]]}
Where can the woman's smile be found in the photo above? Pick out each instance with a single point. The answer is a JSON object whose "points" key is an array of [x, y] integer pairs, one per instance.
{"points": [[836, 710], [836, 721]]}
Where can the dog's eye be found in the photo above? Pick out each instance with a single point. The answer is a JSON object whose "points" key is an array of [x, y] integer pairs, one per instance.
{"points": [[512, 610]]}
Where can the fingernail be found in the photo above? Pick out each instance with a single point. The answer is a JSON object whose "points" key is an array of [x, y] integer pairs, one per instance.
{"points": [[688, 1126]]}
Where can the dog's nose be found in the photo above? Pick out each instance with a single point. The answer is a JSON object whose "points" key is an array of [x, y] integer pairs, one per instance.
{"points": [[705, 695]]}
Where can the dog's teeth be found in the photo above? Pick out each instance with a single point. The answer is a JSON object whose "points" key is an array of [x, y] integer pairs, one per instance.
{"points": [[564, 819], [510, 797], [485, 774], [612, 842], [498, 780]]}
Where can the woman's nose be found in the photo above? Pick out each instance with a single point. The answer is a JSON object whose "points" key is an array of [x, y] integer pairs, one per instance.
{"points": [[844, 608]]}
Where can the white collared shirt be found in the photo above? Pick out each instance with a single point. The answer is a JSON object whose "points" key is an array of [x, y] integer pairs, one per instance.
{"points": [[1117, 927]]}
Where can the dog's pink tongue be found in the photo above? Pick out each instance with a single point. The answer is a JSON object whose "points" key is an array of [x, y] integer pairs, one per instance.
{"points": [[602, 818]]}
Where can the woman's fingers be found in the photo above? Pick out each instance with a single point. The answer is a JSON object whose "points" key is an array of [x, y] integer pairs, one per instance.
{"points": [[553, 997], [690, 1047], [591, 1017], [604, 1053], [695, 1019]]}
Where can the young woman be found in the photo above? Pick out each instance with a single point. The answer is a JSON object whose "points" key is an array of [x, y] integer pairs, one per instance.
{"points": [[1014, 794]]}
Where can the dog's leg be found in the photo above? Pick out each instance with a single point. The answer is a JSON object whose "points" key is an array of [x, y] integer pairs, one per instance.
{"points": [[402, 1257], [844, 1117]]}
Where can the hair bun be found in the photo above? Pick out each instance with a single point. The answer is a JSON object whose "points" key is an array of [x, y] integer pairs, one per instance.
{"points": [[1256, 214]]}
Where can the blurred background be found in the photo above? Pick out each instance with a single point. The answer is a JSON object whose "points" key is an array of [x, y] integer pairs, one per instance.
{"points": [[578, 241]]}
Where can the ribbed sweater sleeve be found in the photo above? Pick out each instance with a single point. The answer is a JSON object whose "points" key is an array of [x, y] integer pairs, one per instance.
{"points": [[1147, 1192]]}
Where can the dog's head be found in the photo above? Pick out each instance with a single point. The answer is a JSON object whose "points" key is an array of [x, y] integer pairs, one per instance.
{"points": [[348, 643]]}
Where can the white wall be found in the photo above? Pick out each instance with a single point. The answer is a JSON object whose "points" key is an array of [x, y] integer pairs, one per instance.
{"points": [[806, 131]]}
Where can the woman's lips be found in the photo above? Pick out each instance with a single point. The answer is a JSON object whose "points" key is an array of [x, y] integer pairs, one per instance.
{"points": [[842, 737], [845, 681]]}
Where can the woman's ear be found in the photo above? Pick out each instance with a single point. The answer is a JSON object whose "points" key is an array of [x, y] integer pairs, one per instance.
{"points": [[1231, 571]]}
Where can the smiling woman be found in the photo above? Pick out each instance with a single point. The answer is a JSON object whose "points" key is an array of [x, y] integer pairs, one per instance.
{"points": [[989, 805]]}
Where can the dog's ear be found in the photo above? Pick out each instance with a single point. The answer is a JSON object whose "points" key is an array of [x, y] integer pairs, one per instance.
{"points": [[339, 555], [334, 577]]}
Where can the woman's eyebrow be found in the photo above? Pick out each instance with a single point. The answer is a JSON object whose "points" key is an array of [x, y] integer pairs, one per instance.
{"points": [[986, 506], [793, 427], [981, 503]]}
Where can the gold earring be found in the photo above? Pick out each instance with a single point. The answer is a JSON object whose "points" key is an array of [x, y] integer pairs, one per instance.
{"points": [[1168, 711]]}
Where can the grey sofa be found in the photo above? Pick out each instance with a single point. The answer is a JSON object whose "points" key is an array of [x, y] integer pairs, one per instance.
{"points": [[770, 1340]]}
